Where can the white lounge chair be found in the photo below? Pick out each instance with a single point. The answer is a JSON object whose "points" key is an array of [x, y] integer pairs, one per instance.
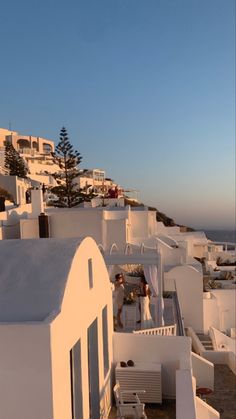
{"points": [[125, 408]]}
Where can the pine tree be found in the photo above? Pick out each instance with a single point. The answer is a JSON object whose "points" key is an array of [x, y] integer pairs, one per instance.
{"points": [[68, 160], [14, 162]]}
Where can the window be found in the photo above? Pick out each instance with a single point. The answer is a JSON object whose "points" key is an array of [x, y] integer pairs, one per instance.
{"points": [[105, 341], [76, 381], [47, 148], [90, 272], [22, 143], [35, 145], [93, 367]]}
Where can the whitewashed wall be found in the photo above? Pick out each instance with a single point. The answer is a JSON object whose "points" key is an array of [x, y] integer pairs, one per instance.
{"points": [[203, 371], [25, 379], [81, 306], [76, 223], [210, 312], [11, 221], [157, 349], [139, 224], [189, 286], [35, 358], [226, 303], [185, 395], [222, 341], [205, 411]]}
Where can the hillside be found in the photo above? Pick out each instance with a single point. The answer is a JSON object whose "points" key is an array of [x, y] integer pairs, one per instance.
{"points": [[160, 216]]}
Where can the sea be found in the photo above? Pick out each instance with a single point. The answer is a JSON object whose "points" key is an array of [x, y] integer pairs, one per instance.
{"points": [[221, 235]]}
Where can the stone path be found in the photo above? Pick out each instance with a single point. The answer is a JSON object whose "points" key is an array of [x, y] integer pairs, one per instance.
{"points": [[224, 397], [166, 410]]}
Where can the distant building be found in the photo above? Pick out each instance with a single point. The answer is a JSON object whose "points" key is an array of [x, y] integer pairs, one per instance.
{"points": [[16, 187], [95, 180], [36, 151]]}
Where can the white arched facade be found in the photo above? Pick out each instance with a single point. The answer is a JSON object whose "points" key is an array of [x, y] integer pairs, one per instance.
{"points": [[56, 339]]}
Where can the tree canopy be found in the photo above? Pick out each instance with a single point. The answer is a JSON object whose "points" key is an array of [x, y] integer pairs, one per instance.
{"points": [[67, 159], [14, 163]]}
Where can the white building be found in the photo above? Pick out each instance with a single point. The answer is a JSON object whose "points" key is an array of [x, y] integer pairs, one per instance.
{"points": [[95, 180], [125, 236], [16, 187], [36, 151], [55, 330]]}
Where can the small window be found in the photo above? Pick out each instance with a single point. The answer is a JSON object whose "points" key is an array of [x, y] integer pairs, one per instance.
{"points": [[35, 145], [90, 272], [76, 381], [47, 148], [105, 341]]}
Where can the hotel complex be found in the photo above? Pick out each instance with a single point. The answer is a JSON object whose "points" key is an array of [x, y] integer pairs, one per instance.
{"points": [[62, 352]]}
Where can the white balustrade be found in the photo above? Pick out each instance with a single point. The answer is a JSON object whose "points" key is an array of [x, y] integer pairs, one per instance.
{"points": [[161, 331]]}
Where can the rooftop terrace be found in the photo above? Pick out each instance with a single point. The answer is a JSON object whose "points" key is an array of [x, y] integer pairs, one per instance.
{"points": [[223, 398]]}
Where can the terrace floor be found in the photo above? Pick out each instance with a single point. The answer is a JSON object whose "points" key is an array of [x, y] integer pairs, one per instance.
{"points": [[166, 410], [223, 399]]}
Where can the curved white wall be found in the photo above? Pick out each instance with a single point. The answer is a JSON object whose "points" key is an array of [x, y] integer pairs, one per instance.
{"points": [[81, 306]]}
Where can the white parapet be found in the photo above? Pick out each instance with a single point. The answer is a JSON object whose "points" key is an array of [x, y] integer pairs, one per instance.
{"points": [[37, 203]]}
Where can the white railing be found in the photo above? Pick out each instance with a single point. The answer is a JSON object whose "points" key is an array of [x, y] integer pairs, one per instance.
{"points": [[204, 410], [161, 331], [203, 371]]}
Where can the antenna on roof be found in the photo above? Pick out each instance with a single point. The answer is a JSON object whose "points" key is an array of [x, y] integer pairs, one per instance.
{"points": [[9, 125]]}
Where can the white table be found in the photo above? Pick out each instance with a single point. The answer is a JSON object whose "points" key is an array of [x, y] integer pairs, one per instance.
{"points": [[142, 376]]}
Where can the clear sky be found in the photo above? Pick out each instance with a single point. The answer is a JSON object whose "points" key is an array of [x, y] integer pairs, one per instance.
{"points": [[146, 89]]}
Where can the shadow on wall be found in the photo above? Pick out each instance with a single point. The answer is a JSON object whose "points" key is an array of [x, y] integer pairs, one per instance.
{"points": [[11, 227]]}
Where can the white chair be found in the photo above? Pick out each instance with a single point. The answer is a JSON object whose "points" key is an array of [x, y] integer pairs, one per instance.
{"points": [[129, 408]]}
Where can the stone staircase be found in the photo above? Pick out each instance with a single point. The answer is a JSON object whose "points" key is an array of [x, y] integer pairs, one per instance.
{"points": [[205, 341]]}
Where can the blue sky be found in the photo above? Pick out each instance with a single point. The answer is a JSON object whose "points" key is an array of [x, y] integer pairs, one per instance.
{"points": [[145, 88]]}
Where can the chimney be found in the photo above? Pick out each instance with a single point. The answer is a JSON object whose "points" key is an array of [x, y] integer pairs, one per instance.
{"points": [[43, 226]]}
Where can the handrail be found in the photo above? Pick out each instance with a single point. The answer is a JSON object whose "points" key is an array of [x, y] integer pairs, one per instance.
{"points": [[161, 331], [179, 314], [162, 242]]}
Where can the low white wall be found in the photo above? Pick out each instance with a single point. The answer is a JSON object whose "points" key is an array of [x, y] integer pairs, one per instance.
{"points": [[232, 362], [29, 229], [185, 395], [11, 221], [221, 341], [216, 357], [156, 349], [204, 410], [203, 371]]}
